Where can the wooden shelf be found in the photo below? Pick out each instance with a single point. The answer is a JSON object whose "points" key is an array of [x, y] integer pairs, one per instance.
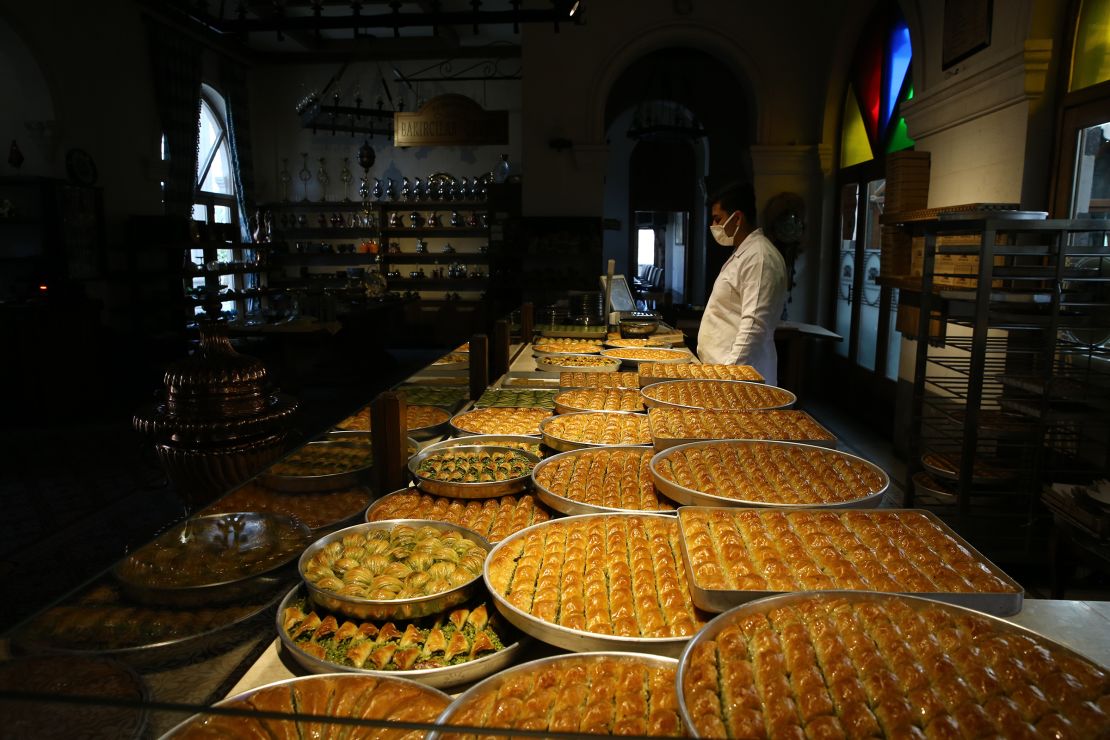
{"points": [[447, 231], [324, 259], [435, 258], [438, 283], [359, 205]]}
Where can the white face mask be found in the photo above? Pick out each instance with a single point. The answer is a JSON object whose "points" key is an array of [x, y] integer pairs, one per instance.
{"points": [[718, 232]]}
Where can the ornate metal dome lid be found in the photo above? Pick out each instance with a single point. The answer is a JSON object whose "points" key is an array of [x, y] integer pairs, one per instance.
{"points": [[216, 381]]}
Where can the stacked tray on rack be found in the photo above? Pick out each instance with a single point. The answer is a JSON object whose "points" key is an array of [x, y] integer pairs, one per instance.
{"points": [[599, 480], [722, 395], [598, 399], [759, 473], [595, 429], [596, 582], [652, 372], [566, 346], [871, 665], [670, 426], [736, 555], [622, 379], [493, 518]]}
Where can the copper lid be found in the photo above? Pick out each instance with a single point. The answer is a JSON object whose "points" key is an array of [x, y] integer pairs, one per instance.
{"points": [[216, 381]]}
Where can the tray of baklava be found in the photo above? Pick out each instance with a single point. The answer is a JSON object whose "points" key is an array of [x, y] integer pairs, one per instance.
{"points": [[598, 399], [635, 356], [654, 372], [516, 421], [579, 363], [451, 648], [832, 665], [621, 379], [473, 471], [339, 461], [722, 395], [421, 421], [524, 398], [493, 518], [735, 472], [567, 432], [525, 442], [670, 427], [447, 397], [566, 346], [300, 703], [735, 555], [598, 480], [597, 582], [319, 511], [601, 693]]}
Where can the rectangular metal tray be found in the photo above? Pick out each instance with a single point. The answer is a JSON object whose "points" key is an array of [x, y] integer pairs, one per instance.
{"points": [[1002, 604], [662, 443]]}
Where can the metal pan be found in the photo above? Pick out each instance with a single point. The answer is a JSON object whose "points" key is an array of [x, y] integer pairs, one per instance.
{"points": [[459, 431], [1001, 604], [566, 637], [652, 343], [829, 439], [940, 466], [564, 353], [452, 675], [788, 399], [563, 407], [493, 683], [413, 608], [489, 489], [214, 535], [551, 364], [764, 606], [646, 380], [671, 356], [573, 507], [566, 445], [345, 683], [496, 440], [694, 497], [326, 482]]}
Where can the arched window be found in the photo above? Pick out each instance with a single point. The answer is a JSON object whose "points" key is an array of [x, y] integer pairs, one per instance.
{"points": [[872, 127], [1090, 56]]}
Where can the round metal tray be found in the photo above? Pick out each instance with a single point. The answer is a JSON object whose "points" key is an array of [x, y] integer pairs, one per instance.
{"points": [[925, 485], [982, 475], [572, 507], [458, 431], [489, 489], [354, 681], [309, 483], [494, 682], [567, 353], [250, 530], [563, 408], [452, 675], [652, 402], [566, 445], [655, 344], [766, 605], [553, 367], [566, 637], [414, 608], [675, 356], [692, 497], [496, 440]]}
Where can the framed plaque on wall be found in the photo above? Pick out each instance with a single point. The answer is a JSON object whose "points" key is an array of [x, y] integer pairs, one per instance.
{"points": [[967, 30]]}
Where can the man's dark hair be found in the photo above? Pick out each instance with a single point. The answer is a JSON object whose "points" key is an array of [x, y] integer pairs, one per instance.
{"points": [[737, 196]]}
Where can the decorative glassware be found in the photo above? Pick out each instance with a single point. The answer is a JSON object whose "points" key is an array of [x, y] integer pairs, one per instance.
{"points": [[433, 221], [406, 189], [417, 189], [456, 219], [389, 189], [377, 189], [363, 188], [285, 178], [415, 220], [305, 175], [345, 177], [324, 178], [502, 172]]}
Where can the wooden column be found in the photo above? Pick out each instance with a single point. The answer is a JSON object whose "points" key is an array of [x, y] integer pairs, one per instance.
{"points": [[499, 350], [389, 441], [479, 365], [527, 322]]}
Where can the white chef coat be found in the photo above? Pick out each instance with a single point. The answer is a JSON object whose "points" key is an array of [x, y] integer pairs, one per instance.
{"points": [[738, 327]]}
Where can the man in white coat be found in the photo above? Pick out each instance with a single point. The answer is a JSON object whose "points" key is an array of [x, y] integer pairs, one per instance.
{"points": [[738, 327]]}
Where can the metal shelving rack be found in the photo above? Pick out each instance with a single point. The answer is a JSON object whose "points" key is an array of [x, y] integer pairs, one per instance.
{"points": [[1015, 393]]}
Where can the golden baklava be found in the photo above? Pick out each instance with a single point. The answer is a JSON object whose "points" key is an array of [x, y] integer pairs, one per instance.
{"points": [[627, 342], [452, 358], [326, 458], [599, 380], [855, 549], [501, 421], [648, 354], [445, 639], [574, 346], [601, 399], [770, 473], [578, 694], [609, 574], [402, 562], [560, 362], [617, 478], [668, 423], [718, 394], [315, 509], [600, 428], [651, 372], [495, 519], [523, 398], [469, 465], [417, 417], [348, 696], [871, 665]]}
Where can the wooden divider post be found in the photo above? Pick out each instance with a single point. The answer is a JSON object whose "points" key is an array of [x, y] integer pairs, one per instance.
{"points": [[499, 349], [527, 322], [479, 365], [389, 441]]}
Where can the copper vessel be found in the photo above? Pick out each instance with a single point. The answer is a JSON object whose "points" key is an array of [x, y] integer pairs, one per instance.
{"points": [[220, 422]]}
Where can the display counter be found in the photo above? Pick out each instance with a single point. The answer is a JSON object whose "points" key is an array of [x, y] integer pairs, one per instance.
{"points": [[184, 676]]}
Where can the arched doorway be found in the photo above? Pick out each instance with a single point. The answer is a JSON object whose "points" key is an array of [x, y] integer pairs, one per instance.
{"points": [[679, 124]]}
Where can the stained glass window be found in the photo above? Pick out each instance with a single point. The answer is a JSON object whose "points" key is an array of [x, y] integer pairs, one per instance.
{"points": [[879, 82]]}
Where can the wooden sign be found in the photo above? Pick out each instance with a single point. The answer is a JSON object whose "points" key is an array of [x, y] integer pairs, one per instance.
{"points": [[451, 120]]}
